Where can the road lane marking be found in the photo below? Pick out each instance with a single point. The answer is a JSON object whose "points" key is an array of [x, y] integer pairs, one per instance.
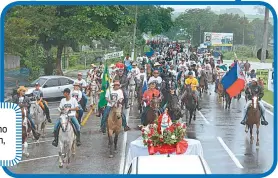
{"points": [[204, 118], [231, 154], [39, 158], [124, 143], [40, 142]]}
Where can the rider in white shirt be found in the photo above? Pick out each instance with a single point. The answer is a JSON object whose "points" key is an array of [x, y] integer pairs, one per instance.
{"points": [[173, 71], [69, 104], [83, 84], [156, 78], [77, 94]]}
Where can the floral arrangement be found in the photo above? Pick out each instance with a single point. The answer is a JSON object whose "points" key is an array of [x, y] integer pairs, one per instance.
{"points": [[165, 140]]}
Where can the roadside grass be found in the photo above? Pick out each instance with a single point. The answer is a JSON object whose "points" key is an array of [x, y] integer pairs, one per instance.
{"points": [[268, 96]]}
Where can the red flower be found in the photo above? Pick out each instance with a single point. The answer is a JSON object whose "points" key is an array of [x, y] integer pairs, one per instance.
{"points": [[183, 126], [161, 140]]}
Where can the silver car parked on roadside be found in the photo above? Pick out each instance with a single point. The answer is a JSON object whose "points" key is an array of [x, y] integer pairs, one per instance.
{"points": [[51, 86]]}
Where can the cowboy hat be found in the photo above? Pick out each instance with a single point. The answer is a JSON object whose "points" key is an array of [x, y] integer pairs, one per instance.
{"points": [[156, 64], [254, 80], [76, 84], [112, 65], [93, 65], [21, 88]]}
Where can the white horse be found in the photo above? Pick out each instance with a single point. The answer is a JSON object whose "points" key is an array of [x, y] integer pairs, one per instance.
{"points": [[94, 94], [39, 118], [131, 88], [67, 140], [25, 132]]}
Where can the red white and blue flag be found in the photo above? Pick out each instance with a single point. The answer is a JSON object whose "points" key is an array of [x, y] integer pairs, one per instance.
{"points": [[233, 81]]}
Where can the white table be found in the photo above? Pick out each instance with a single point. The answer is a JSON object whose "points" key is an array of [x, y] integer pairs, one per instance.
{"points": [[137, 148]]}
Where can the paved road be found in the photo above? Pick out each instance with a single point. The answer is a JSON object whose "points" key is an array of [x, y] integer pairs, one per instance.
{"points": [[225, 144]]}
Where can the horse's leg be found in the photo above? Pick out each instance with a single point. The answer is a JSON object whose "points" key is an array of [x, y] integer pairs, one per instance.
{"points": [[116, 141], [258, 126], [60, 154], [246, 128], [251, 134], [190, 116], [110, 133], [194, 115]]}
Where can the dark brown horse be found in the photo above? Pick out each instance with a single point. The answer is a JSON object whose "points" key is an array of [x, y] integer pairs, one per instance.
{"points": [[190, 103], [114, 126], [26, 130], [202, 85], [153, 112], [253, 118]]}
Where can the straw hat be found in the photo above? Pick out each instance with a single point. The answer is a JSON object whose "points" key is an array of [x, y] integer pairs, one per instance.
{"points": [[21, 88], [76, 84], [93, 65], [156, 64]]}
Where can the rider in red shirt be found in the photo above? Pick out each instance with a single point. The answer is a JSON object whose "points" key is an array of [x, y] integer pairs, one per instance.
{"points": [[148, 95]]}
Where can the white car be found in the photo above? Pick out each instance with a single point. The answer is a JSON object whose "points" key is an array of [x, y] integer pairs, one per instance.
{"points": [[51, 86], [172, 164]]}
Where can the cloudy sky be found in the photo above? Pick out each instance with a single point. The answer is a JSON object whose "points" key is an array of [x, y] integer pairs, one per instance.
{"points": [[245, 9]]}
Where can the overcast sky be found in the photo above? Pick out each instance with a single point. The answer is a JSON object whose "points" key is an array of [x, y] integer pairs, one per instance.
{"points": [[244, 8]]}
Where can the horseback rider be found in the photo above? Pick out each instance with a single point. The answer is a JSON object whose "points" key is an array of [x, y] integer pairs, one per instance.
{"points": [[147, 97], [124, 85], [91, 71], [191, 80], [38, 94], [69, 104], [77, 94], [174, 112], [23, 101], [254, 89], [83, 85], [219, 73], [156, 78], [112, 96]]}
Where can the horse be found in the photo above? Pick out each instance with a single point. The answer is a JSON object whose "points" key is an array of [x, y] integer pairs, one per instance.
{"points": [[67, 140], [93, 93], [220, 92], [228, 100], [26, 130], [253, 117], [114, 125], [190, 103], [174, 108], [153, 112], [202, 85], [37, 114], [131, 88]]}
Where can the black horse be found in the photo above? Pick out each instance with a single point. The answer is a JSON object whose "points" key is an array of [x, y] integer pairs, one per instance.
{"points": [[190, 103], [228, 100]]}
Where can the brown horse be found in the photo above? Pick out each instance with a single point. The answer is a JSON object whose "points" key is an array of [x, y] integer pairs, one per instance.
{"points": [[253, 117], [202, 85], [26, 130], [220, 92], [153, 112], [114, 125]]}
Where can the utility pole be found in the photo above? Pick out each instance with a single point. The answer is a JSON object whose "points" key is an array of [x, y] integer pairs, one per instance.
{"points": [[134, 34], [265, 39], [243, 30]]}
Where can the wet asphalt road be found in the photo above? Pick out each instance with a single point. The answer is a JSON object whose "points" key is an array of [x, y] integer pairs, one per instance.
{"points": [[217, 129]]}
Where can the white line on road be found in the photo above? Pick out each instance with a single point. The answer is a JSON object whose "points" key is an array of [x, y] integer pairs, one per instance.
{"points": [[40, 142], [38, 158], [204, 118], [122, 162], [231, 154]]}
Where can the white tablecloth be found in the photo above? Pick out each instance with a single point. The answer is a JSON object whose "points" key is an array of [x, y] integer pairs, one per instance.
{"points": [[137, 148]]}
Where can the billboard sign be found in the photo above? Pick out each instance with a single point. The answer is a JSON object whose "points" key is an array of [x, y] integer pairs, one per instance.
{"points": [[218, 39]]}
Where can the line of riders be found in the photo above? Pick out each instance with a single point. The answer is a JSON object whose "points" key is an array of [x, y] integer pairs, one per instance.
{"points": [[160, 75]]}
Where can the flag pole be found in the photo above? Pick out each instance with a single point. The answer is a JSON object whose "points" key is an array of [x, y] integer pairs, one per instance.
{"points": [[240, 68]]}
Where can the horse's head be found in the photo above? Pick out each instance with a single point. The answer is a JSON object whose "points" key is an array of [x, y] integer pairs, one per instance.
{"points": [[34, 108], [24, 114], [255, 101], [188, 88], [64, 120], [155, 102], [117, 110]]}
